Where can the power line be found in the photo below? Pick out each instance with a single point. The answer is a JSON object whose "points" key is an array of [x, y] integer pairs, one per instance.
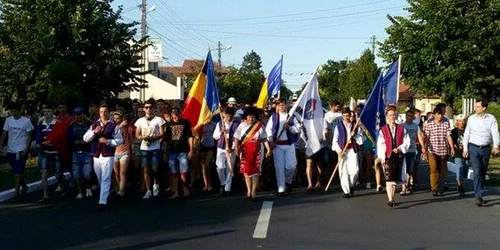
{"points": [[168, 39], [284, 36], [290, 14], [169, 19], [183, 22], [306, 19]]}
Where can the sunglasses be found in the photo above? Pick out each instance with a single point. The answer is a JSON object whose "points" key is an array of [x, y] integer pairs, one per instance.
{"points": [[148, 107]]}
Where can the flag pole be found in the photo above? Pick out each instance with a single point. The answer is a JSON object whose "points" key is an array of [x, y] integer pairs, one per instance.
{"points": [[399, 76], [343, 151]]}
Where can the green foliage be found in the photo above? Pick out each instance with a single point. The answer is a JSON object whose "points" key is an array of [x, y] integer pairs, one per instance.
{"points": [[82, 45], [345, 79], [449, 48], [245, 83]]}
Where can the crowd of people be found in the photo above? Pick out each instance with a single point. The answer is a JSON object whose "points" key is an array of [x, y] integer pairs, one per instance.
{"points": [[150, 147]]}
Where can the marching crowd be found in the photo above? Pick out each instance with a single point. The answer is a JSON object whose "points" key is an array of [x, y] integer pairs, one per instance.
{"points": [[151, 146]]}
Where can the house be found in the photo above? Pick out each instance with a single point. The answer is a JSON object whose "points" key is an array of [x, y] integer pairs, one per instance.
{"points": [[170, 82], [189, 68], [408, 97]]}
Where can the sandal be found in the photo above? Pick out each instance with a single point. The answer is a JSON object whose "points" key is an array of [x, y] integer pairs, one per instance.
{"points": [[43, 200]]}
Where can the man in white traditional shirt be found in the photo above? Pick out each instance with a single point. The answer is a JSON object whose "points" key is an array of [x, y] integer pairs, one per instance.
{"points": [[224, 135], [346, 136], [282, 132], [104, 135]]}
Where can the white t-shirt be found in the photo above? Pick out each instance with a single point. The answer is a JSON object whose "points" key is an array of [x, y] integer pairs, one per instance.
{"points": [[150, 128], [18, 131]]}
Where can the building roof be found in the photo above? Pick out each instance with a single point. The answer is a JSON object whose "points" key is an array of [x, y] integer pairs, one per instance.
{"points": [[405, 92], [190, 66]]}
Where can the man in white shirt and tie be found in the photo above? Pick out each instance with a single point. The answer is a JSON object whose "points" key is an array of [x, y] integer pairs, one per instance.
{"points": [[481, 131]]}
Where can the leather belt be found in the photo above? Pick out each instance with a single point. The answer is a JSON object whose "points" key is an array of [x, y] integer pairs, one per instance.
{"points": [[482, 146]]}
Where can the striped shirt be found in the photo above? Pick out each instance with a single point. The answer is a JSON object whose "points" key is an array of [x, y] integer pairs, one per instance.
{"points": [[438, 137]]}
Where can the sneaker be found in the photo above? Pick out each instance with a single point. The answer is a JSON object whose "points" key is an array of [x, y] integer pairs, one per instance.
{"points": [[79, 196], [368, 185], [147, 195], [380, 189], [88, 193], [156, 190], [58, 189]]}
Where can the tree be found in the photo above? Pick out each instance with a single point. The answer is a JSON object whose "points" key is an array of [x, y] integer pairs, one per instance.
{"points": [[358, 79], [449, 48], [328, 79], [244, 83], [61, 47]]}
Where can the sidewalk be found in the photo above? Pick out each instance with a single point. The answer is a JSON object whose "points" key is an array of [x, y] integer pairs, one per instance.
{"points": [[35, 186]]}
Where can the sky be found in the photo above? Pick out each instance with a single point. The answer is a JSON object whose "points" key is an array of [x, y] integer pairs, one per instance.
{"points": [[306, 33]]}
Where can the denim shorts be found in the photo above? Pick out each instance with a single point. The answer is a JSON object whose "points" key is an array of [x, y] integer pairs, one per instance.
{"points": [[181, 158], [150, 158], [122, 156], [82, 165], [50, 162], [17, 163]]}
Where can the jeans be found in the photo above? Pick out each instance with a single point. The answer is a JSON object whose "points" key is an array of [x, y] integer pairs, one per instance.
{"points": [[50, 161], [173, 158], [150, 159], [82, 165], [410, 159], [17, 163], [479, 159], [462, 168]]}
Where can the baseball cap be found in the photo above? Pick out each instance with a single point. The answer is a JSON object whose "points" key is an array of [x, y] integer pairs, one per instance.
{"points": [[460, 117], [231, 100], [78, 111]]}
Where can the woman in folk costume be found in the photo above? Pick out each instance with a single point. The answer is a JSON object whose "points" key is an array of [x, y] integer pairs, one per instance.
{"points": [[248, 140], [349, 137], [393, 142]]}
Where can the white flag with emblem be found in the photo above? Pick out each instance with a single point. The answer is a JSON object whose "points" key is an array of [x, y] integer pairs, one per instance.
{"points": [[309, 112]]}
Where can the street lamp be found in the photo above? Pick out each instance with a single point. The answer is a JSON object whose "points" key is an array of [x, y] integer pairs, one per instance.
{"points": [[144, 33], [220, 49]]}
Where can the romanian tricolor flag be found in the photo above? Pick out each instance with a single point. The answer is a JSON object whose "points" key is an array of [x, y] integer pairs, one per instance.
{"points": [[202, 101], [271, 85]]}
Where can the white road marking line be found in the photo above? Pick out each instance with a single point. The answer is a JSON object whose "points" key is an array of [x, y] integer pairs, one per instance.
{"points": [[263, 221]]}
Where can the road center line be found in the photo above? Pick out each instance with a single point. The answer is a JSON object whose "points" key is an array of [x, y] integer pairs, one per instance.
{"points": [[263, 221]]}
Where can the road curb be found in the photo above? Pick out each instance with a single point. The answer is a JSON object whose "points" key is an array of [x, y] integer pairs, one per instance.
{"points": [[35, 186]]}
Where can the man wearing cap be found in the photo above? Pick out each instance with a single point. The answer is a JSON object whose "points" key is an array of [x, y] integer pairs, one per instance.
{"points": [[82, 159], [480, 133], [231, 102], [461, 163], [283, 131]]}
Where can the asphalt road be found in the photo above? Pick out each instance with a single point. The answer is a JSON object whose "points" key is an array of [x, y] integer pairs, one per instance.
{"points": [[298, 221]]}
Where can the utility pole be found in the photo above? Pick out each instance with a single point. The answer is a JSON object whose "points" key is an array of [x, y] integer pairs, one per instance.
{"points": [[373, 42], [219, 52], [144, 33]]}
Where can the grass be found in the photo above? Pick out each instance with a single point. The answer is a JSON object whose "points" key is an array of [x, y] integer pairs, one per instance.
{"points": [[31, 174], [494, 172]]}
